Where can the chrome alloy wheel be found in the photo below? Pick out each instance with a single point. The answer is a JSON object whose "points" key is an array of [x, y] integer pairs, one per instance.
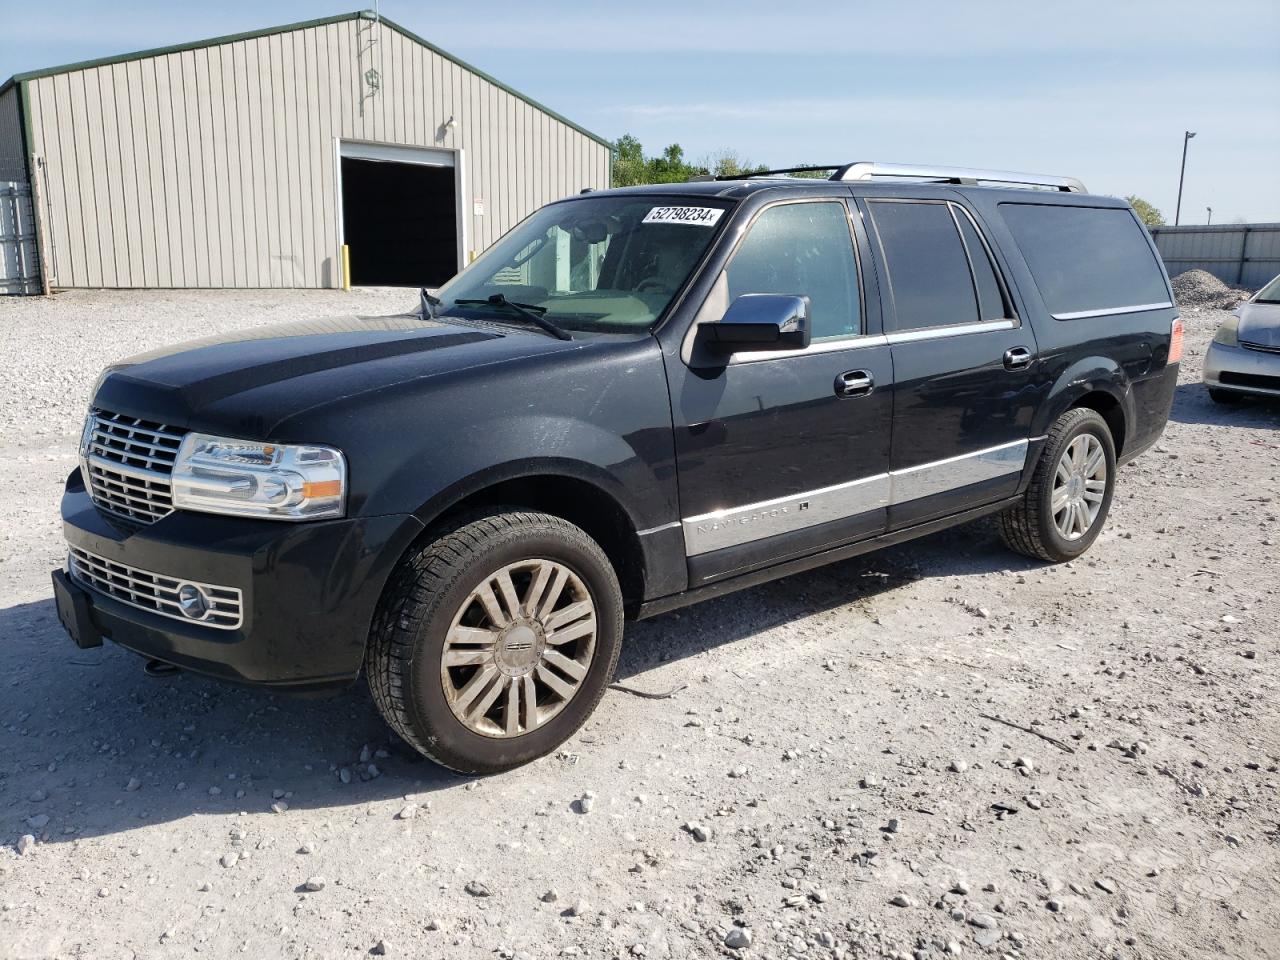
{"points": [[1079, 485], [519, 648]]}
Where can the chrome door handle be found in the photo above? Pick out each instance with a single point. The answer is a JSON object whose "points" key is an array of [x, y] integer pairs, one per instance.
{"points": [[1015, 358], [854, 383]]}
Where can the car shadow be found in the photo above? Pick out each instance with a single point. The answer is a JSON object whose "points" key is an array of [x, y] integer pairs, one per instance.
{"points": [[1191, 404], [98, 747]]}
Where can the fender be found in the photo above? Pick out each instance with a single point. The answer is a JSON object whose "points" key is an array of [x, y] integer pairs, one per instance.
{"points": [[1092, 374]]}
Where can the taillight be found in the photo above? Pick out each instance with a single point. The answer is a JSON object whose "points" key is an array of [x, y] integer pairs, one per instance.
{"points": [[1175, 341]]}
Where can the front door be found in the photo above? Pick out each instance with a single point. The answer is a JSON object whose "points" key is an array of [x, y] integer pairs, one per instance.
{"points": [[964, 365], [782, 454]]}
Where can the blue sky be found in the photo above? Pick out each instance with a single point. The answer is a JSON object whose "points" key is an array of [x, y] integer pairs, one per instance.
{"points": [[1098, 90]]}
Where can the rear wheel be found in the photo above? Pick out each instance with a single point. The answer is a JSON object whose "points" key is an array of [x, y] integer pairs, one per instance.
{"points": [[1227, 397], [493, 643], [1067, 502]]}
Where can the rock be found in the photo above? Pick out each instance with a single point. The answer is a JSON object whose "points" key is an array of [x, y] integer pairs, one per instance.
{"points": [[104, 892], [478, 889], [698, 832], [372, 771], [957, 766], [215, 791], [277, 794], [379, 949], [738, 772], [551, 896], [902, 900], [1025, 763], [345, 775], [1054, 906], [586, 803], [307, 847], [738, 938], [983, 921], [407, 812], [819, 895], [1105, 884], [230, 858], [133, 784], [953, 947], [961, 888], [205, 887], [893, 826], [986, 938], [579, 909], [279, 807], [366, 753], [314, 884], [38, 822], [24, 845]]}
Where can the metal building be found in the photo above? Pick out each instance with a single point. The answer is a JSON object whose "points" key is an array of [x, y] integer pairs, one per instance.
{"points": [[250, 160]]}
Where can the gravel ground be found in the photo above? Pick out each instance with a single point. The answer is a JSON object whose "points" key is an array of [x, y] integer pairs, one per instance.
{"points": [[831, 783]]}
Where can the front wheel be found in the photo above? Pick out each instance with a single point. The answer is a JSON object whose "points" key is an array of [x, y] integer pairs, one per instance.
{"points": [[1066, 504], [493, 643]]}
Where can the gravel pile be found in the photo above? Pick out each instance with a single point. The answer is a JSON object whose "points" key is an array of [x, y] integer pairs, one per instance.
{"points": [[1199, 288]]}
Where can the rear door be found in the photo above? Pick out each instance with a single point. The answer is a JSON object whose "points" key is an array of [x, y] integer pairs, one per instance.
{"points": [[965, 365], [782, 454]]}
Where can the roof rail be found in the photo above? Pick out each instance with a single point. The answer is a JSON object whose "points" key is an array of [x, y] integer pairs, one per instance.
{"points": [[781, 171], [866, 170]]}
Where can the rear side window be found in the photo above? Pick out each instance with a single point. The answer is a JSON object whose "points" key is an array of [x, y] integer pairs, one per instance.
{"points": [[927, 263], [991, 304], [1087, 261]]}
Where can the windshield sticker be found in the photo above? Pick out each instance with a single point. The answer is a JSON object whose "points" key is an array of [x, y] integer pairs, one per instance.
{"points": [[694, 216]]}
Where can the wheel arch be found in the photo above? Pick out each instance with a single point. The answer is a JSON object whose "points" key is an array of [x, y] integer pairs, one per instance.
{"points": [[584, 495], [1098, 384]]}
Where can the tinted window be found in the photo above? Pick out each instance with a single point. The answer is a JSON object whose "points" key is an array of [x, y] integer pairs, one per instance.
{"points": [[1086, 258], [803, 249], [928, 269], [990, 300]]}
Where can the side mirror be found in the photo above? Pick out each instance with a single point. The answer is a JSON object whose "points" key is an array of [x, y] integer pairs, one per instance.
{"points": [[759, 321]]}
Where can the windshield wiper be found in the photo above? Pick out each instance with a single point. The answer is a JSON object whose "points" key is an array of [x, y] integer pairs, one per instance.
{"points": [[531, 312], [430, 305]]}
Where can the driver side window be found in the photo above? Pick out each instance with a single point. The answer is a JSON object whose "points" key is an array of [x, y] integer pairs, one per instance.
{"points": [[803, 249]]}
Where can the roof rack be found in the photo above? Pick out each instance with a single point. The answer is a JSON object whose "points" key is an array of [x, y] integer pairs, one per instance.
{"points": [[960, 175], [866, 170]]}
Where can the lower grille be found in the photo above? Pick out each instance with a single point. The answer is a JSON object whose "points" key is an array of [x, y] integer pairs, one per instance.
{"points": [[1230, 378], [155, 592]]}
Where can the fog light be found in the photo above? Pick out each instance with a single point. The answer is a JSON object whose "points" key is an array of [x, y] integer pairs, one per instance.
{"points": [[193, 601]]}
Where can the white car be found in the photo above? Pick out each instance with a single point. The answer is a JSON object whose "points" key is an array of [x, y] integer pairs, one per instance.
{"points": [[1244, 357]]}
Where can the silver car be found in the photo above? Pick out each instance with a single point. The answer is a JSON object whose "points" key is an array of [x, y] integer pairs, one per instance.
{"points": [[1244, 357]]}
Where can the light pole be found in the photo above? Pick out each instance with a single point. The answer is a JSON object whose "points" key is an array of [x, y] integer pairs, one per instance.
{"points": [[1210, 219], [1186, 135]]}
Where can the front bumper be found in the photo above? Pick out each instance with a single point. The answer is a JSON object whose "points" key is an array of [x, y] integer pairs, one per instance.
{"points": [[1242, 370], [309, 589]]}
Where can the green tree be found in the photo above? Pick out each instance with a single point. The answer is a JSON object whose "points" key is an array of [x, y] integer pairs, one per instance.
{"points": [[1146, 212]]}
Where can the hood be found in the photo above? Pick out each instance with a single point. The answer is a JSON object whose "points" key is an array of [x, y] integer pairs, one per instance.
{"points": [[248, 381], [1260, 324]]}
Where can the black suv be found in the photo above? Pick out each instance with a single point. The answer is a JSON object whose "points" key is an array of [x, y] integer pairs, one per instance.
{"points": [[636, 399]]}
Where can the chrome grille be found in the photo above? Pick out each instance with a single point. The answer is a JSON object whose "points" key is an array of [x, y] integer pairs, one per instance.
{"points": [[127, 463], [154, 592]]}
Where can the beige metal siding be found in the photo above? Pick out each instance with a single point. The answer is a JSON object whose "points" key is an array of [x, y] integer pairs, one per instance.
{"points": [[217, 166]]}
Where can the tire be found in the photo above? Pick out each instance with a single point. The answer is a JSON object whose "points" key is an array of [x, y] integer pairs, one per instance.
{"points": [[1226, 397], [1031, 527], [454, 597]]}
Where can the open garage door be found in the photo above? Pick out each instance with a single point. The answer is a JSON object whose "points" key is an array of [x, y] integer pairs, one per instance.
{"points": [[400, 215]]}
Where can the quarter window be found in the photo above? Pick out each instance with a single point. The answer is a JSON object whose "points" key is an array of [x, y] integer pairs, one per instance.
{"points": [[803, 249], [927, 264], [1087, 260], [991, 305]]}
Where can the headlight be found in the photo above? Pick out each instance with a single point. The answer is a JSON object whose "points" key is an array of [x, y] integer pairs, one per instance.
{"points": [[272, 480], [1226, 334]]}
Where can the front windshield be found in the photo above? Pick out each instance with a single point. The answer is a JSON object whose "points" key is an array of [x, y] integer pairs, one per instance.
{"points": [[1270, 293], [611, 264]]}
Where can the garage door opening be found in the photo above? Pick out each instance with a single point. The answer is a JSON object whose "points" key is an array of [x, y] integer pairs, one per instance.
{"points": [[399, 219]]}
